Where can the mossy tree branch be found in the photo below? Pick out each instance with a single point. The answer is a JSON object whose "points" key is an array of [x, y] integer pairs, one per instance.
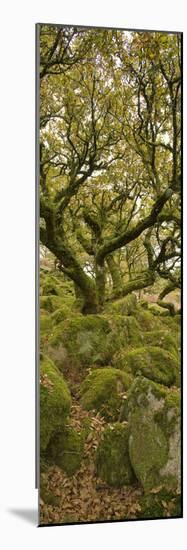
{"points": [[132, 234]]}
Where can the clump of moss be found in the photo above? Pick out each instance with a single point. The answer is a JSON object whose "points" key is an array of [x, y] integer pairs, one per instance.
{"points": [[55, 401], [173, 323], [112, 457], [123, 306], [105, 390], [162, 339], [144, 304], [153, 362], [50, 303], [66, 449], [147, 320], [155, 310], [85, 339], [60, 314], [50, 286], [45, 323]]}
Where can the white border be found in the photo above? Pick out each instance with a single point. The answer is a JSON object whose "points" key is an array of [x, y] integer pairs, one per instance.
{"points": [[17, 271]]}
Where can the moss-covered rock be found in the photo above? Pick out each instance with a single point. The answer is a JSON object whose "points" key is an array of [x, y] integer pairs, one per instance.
{"points": [[162, 339], [112, 457], [153, 362], [66, 449], [61, 314], [55, 401], [105, 390], [53, 283], [50, 303], [172, 322], [147, 320], [150, 448], [154, 442], [85, 340], [123, 306], [125, 333]]}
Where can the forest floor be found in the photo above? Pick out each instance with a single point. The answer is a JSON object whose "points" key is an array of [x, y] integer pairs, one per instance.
{"points": [[84, 497]]}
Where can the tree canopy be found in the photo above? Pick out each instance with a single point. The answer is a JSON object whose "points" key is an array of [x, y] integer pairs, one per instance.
{"points": [[110, 158]]}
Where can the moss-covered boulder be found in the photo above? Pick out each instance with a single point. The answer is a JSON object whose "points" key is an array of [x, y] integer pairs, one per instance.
{"points": [[161, 338], [86, 340], [55, 401], [154, 427], [112, 457], [66, 449], [126, 334], [153, 362], [105, 390], [146, 320], [123, 306], [50, 303], [53, 283]]}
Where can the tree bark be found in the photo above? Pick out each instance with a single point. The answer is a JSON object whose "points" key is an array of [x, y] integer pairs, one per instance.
{"points": [[142, 281], [115, 274]]}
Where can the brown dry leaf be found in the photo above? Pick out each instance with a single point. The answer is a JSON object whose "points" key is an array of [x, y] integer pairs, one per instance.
{"points": [[156, 490], [164, 504]]}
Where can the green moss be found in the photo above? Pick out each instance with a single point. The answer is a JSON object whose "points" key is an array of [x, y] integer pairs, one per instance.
{"points": [[54, 348], [45, 323], [133, 331], [159, 505], [61, 314], [47, 495], [162, 339], [167, 417], [55, 401], [143, 391], [86, 426], [50, 286], [155, 310], [154, 443], [50, 303], [66, 449], [126, 333], [144, 304], [112, 457], [148, 448], [173, 323], [123, 306], [85, 339], [147, 320], [105, 390], [154, 363]]}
